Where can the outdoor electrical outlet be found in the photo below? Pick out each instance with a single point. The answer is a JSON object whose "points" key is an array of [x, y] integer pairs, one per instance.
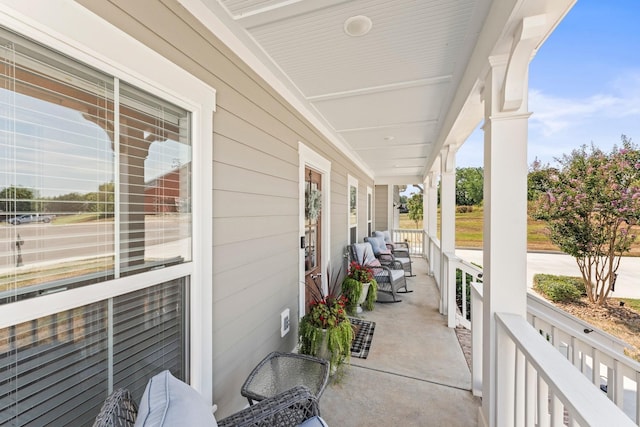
{"points": [[284, 323]]}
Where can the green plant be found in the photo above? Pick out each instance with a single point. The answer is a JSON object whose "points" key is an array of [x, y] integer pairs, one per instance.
{"points": [[351, 290], [372, 296], [326, 324], [352, 287], [559, 288]]}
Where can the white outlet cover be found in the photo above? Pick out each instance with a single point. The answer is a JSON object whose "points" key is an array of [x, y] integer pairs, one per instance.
{"points": [[285, 322]]}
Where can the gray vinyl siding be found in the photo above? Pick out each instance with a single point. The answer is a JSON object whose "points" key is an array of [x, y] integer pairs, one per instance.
{"points": [[255, 191], [381, 208]]}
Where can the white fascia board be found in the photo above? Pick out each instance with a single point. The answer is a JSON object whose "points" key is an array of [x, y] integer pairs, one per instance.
{"points": [[216, 23]]}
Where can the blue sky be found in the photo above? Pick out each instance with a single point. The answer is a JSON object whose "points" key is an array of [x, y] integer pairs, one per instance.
{"points": [[584, 84]]}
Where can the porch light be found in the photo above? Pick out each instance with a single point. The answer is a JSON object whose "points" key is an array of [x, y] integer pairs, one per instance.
{"points": [[358, 25]]}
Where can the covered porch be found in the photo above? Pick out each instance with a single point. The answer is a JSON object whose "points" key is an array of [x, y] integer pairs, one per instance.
{"points": [[415, 372]]}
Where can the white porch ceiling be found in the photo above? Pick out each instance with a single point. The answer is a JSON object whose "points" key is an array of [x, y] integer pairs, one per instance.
{"points": [[384, 95]]}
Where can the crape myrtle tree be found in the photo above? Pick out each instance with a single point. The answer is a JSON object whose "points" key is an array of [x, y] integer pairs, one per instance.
{"points": [[591, 204], [415, 207]]}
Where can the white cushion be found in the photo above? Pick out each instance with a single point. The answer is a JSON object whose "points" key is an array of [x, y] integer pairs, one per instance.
{"points": [[314, 422], [396, 274], [169, 402], [378, 245], [365, 255]]}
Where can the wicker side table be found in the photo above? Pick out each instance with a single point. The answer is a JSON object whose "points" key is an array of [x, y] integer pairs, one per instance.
{"points": [[279, 372]]}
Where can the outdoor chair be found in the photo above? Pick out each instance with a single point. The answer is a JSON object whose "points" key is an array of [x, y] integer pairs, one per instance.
{"points": [[389, 280], [387, 257], [170, 402], [399, 249]]}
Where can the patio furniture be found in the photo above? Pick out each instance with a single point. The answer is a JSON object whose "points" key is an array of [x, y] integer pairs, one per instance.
{"points": [[389, 280], [280, 371], [387, 257], [400, 249], [170, 402]]}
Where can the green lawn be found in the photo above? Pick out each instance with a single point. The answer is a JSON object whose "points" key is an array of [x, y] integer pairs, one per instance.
{"points": [[469, 230]]}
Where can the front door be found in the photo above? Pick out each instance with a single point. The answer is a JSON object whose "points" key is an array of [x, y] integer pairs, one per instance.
{"points": [[312, 234]]}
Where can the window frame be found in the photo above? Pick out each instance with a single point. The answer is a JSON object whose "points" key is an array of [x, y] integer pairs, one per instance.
{"points": [[369, 210], [146, 69], [352, 182]]}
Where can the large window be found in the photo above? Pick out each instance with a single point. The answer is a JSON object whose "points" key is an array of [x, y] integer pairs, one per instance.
{"points": [[80, 202], [95, 186]]}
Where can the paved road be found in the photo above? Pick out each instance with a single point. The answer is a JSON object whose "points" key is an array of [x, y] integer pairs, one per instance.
{"points": [[627, 284]]}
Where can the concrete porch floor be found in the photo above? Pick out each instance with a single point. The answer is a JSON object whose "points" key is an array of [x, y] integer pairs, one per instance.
{"points": [[415, 373]]}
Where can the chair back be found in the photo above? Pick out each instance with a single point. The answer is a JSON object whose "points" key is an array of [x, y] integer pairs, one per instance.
{"points": [[362, 253], [386, 235]]}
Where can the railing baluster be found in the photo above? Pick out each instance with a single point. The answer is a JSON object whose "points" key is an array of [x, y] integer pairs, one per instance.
{"points": [[543, 403], [566, 391], [557, 411], [531, 396], [637, 397]]}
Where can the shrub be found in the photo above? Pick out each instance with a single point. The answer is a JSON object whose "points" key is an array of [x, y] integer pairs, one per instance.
{"points": [[464, 209], [559, 288]]}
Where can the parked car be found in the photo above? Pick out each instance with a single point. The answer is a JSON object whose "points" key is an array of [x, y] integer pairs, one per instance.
{"points": [[28, 218]]}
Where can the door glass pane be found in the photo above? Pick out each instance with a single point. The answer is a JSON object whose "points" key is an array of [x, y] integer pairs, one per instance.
{"points": [[353, 205]]}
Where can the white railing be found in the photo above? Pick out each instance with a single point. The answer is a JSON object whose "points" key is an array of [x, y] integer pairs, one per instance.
{"points": [[579, 344], [464, 273], [433, 257], [598, 355], [535, 385], [414, 238]]}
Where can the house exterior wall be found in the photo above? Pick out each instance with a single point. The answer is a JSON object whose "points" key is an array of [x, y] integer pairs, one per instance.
{"points": [[381, 207], [255, 191]]}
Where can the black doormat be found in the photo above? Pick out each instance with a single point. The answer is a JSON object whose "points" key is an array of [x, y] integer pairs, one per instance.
{"points": [[363, 334]]}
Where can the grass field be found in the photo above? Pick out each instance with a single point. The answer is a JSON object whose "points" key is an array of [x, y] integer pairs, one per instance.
{"points": [[623, 322], [469, 232]]}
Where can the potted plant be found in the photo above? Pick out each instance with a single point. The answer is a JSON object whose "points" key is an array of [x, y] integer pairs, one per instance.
{"points": [[325, 330], [360, 288]]}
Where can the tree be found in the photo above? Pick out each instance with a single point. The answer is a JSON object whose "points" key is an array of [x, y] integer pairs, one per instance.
{"points": [[102, 202], [415, 206], [469, 183], [590, 206], [538, 179], [16, 199]]}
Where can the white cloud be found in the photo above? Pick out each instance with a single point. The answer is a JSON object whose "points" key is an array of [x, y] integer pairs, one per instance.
{"points": [[560, 124]]}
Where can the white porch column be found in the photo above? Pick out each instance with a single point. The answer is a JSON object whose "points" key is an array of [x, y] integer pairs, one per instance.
{"points": [[430, 223], [505, 221], [448, 235]]}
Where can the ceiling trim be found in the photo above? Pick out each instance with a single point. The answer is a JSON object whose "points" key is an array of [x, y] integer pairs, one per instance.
{"points": [[279, 11], [389, 126], [382, 88], [220, 29]]}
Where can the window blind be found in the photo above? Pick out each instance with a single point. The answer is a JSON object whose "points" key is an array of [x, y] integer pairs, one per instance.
{"points": [[95, 184], [54, 370], [87, 202]]}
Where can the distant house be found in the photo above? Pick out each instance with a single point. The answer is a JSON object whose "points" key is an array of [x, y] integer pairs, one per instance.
{"points": [[162, 194]]}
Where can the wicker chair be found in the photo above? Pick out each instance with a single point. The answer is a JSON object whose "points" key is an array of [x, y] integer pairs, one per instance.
{"points": [[399, 249], [289, 408], [394, 260], [390, 280]]}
